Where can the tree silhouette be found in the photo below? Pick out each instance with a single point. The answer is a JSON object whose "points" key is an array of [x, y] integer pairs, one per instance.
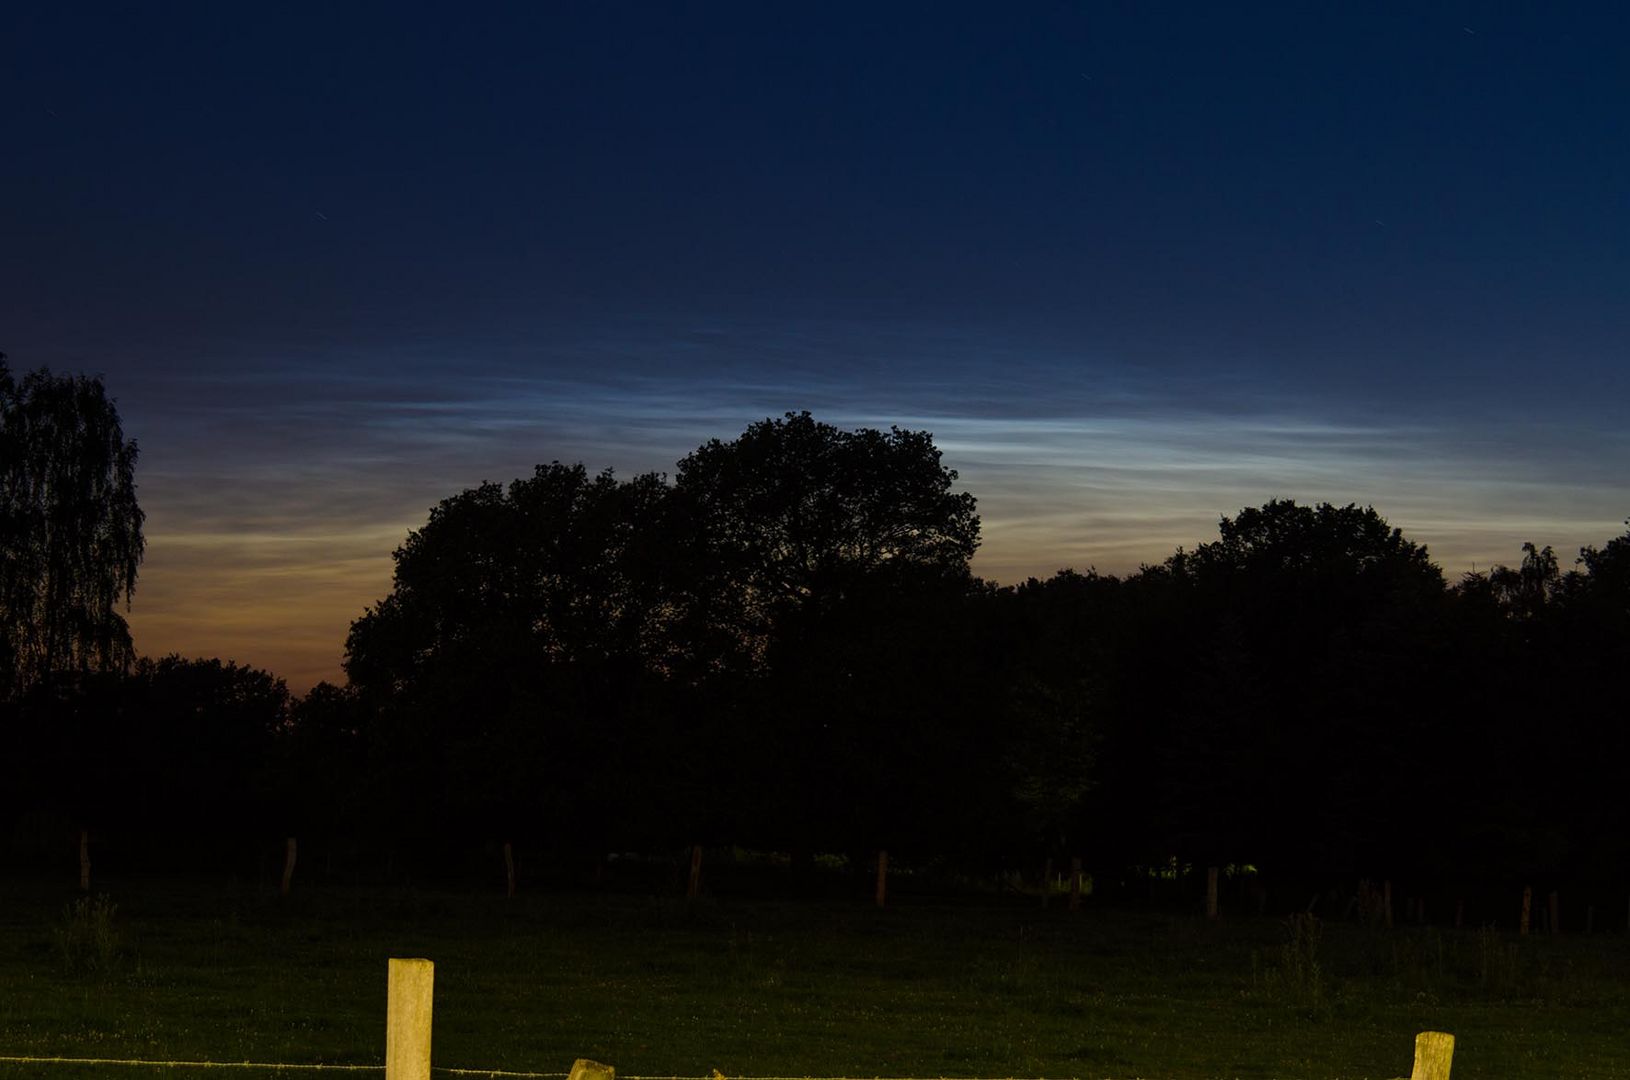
{"points": [[1310, 643], [796, 513], [821, 554], [198, 740], [525, 634], [70, 529], [1525, 591], [558, 566], [627, 636]]}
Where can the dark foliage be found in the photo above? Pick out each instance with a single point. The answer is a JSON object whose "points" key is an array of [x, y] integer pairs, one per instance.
{"points": [[784, 649], [70, 529]]}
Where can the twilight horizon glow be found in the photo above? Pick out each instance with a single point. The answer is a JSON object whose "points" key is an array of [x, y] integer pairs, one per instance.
{"points": [[1135, 268]]}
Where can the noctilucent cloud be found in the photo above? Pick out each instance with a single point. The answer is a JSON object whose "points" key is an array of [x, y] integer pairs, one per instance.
{"points": [[1136, 266]]}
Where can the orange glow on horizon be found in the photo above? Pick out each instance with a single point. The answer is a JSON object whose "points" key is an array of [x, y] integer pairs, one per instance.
{"points": [[284, 603]]}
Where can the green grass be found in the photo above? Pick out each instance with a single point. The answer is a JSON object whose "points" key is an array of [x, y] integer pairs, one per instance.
{"points": [[656, 987]]}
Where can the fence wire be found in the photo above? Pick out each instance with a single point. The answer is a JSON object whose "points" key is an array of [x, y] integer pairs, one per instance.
{"points": [[154, 1063]]}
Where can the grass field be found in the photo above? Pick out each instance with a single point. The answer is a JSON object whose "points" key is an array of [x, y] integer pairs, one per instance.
{"points": [[656, 986]]}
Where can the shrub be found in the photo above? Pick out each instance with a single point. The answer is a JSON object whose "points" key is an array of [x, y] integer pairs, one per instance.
{"points": [[88, 938], [1301, 978]]}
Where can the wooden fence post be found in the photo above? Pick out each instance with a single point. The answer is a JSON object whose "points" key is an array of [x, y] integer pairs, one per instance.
{"points": [[1075, 883], [1590, 919], [1460, 912], [1386, 901], [84, 860], [509, 869], [882, 877], [288, 864], [693, 888], [1527, 908], [407, 1019], [1556, 914], [1211, 893], [1046, 881], [1434, 1050]]}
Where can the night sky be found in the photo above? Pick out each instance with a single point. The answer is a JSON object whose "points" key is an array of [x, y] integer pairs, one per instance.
{"points": [[1136, 266]]}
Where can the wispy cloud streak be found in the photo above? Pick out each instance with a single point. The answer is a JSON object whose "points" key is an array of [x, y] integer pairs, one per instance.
{"points": [[275, 494]]}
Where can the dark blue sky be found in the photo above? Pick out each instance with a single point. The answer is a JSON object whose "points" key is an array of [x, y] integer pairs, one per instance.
{"points": [[1136, 265]]}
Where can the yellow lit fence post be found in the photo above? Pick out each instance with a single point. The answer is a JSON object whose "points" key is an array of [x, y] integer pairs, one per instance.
{"points": [[1434, 1050], [407, 1019]]}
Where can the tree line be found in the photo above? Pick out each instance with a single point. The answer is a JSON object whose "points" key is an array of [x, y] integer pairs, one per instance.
{"points": [[783, 647]]}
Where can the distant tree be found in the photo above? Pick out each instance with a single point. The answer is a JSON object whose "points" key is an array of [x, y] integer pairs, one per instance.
{"points": [[1601, 656], [1575, 651], [1311, 645], [628, 639], [1054, 649], [322, 780], [167, 756], [70, 529], [1520, 690], [831, 566], [1525, 591], [199, 736], [1323, 543], [1051, 742], [1597, 597], [1609, 567], [526, 634], [561, 566], [794, 514]]}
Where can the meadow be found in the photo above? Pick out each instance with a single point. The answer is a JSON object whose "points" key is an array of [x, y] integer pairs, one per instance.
{"points": [[756, 985]]}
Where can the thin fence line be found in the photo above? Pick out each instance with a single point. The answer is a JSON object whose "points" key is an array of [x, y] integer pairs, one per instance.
{"points": [[16, 1060], [154, 1063], [19, 1060]]}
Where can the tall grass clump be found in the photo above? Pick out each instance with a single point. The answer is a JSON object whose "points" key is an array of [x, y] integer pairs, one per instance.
{"points": [[87, 937], [1300, 977], [1500, 966]]}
